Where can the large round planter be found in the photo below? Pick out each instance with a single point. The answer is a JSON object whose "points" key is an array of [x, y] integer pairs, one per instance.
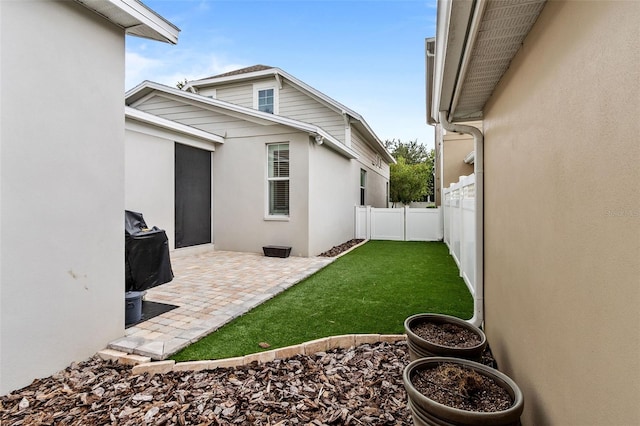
{"points": [[421, 348], [426, 411]]}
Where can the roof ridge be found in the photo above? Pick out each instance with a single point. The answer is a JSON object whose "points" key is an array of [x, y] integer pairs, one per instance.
{"points": [[245, 70]]}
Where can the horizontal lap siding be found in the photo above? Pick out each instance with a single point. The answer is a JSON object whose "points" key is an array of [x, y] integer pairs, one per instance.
{"points": [[377, 177], [241, 94], [299, 106], [191, 115], [366, 154]]}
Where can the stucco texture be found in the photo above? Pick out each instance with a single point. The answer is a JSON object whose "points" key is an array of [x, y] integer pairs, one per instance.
{"points": [[240, 194], [562, 216], [456, 147], [62, 175]]}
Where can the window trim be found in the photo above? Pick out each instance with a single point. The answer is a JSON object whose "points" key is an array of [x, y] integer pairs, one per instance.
{"points": [[363, 187], [257, 87], [267, 214]]}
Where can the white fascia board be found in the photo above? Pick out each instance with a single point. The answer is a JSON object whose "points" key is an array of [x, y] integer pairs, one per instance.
{"points": [[380, 145], [341, 109], [429, 58], [314, 93], [335, 144], [451, 34], [277, 73], [146, 87], [145, 117], [442, 29], [136, 18], [338, 107], [164, 29], [229, 78]]}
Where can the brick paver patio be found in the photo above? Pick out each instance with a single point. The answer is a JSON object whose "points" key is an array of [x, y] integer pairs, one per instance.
{"points": [[211, 289]]}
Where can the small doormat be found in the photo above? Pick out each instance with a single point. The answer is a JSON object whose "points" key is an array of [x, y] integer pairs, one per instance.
{"points": [[152, 309]]}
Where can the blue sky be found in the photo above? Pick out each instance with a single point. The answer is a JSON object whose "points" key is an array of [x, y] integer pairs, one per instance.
{"points": [[367, 55]]}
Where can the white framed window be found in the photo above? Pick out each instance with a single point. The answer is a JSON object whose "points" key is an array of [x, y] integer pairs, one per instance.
{"points": [[278, 179], [265, 97], [363, 186]]}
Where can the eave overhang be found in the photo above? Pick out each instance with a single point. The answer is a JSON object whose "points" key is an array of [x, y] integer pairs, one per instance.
{"points": [[280, 75], [135, 18], [144, 117], [475, 43], [146, 88]]}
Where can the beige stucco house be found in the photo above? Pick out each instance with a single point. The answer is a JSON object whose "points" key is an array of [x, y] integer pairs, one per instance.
{"points": [[62, 179], [283, 164], [557, 87]]}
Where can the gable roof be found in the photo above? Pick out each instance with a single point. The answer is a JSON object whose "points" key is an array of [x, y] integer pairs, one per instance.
{"points": [[136, 18], [474, 46], [257, 71], [148, 88], [145, 117], [245, 70]]}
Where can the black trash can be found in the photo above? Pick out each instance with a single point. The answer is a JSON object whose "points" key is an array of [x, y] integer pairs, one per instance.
{"points": [[147, 261], [133, 307]]}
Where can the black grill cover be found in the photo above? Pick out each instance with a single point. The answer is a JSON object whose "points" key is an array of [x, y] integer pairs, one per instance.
{"points": [[147, 262]]}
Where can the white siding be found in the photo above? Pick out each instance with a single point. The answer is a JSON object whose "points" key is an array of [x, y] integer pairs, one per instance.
{"points": [[377, 172], [300, 106], [239, 94], [210, 121], [62, 195], [292, 104]]}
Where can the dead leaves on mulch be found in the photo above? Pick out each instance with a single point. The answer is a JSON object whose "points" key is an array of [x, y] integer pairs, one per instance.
{"points": [[362, 385]]}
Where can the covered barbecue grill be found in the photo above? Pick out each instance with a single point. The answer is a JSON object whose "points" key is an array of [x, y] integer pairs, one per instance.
{"points": [[147, 262]]}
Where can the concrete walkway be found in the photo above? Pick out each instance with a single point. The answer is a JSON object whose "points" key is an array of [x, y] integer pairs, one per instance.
{"points": [[211, 288]]}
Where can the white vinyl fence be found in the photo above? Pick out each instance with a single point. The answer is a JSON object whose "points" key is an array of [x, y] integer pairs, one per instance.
{"points": [[400, 224], [459, 219]]}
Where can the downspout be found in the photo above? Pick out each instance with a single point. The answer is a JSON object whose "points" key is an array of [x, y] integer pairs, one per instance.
{"points": [[478, 169]]}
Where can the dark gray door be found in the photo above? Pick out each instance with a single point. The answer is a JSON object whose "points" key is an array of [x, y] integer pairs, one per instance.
{"points": [[193, 196]]}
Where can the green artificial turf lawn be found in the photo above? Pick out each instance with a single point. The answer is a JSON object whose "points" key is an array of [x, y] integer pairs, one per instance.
{"points": [[372, 289]]}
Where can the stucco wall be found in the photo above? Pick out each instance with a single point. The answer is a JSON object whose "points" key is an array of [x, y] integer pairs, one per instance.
{"points": [[240, 194], [62, 187], [456, 147], [562, 211], [331, 199], [150, 173]]}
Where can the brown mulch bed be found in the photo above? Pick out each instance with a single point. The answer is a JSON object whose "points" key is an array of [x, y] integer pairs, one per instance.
{"points": [[361, 385], [444, 334], [336, 250]]}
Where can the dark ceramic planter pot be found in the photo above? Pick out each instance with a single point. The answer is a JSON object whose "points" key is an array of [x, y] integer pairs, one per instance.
{"points": [[421, 348], [426, 411]]}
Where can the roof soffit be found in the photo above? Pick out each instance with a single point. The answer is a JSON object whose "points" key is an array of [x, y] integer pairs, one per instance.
{"points": [[147, 89], [260, 71], [136, 19], [496, 39]]}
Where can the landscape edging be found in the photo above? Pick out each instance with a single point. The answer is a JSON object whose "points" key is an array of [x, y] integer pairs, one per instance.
{"points": [[308, 348]]}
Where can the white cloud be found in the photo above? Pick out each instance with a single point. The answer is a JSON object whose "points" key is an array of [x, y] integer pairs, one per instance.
{"points": [[138, 68], [175, 67]]}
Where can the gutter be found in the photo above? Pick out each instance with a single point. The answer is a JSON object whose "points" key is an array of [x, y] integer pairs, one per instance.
{"points": [[478, 169], [459, 45], [474, 29]]}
